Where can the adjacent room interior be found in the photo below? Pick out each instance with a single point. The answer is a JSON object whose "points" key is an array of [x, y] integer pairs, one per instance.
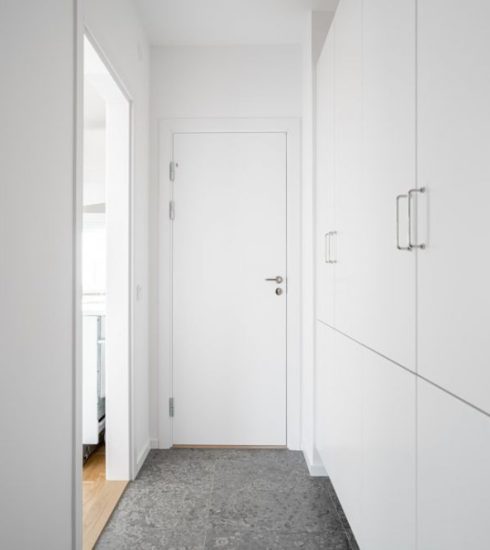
{"points": [[106, 249]]}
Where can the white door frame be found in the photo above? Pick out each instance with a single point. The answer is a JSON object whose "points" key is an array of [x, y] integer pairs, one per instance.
{"points": [[290, 127], [83, 31]]}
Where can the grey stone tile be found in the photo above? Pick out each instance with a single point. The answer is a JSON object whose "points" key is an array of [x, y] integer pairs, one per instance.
{"points": [[272, 476], [149, 508], [148, 538], [249, 540], [305, 510], [174, 476], [245, 499]]}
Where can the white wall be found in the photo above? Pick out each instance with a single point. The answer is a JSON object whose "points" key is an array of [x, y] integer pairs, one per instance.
{"points": [[115, 26], [316, 25], [36, 273], [214, 81]]}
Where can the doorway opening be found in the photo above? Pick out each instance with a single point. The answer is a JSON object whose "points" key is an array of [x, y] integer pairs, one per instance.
{"points": [[106, 296]]}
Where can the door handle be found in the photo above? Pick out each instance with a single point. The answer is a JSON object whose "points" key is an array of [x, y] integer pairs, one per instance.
{"points": [[398, 245], [278, 280], [410, 223]]}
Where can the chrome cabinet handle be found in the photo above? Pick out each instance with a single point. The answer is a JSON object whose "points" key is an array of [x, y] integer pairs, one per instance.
{"points": [[334, 234], [398, 245], [278, 280], [327, 248], [410, 223]]}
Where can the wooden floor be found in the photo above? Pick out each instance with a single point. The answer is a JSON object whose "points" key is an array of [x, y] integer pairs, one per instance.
{"points": [[99, 498]]}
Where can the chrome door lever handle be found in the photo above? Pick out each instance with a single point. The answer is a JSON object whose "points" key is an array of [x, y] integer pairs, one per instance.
{"points": [[277, 279]]}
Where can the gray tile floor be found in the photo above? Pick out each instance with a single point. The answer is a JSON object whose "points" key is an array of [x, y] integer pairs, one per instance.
{"points": [[227, 499]]}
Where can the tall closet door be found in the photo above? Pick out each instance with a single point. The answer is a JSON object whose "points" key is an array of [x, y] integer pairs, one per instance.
{"points": [[454, 164], [388, 457], [376, 157], [350, 243], [343, 446], [325, 183], [453, 468]]}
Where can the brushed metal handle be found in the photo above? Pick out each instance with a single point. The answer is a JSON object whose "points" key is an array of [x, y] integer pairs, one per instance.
{"points": [[410, 223], [327, 248], [398, 245], [333, 234], [278, 280]]}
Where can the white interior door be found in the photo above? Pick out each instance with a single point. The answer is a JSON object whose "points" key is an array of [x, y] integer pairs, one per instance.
{"points": [[229, 323]]}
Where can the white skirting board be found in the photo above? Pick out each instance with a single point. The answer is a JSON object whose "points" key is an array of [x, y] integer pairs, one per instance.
{"points": [[315, 467], [141, 458]]}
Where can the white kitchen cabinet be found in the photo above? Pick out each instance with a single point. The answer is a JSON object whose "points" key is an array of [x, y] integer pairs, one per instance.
{"points": [[325, 184], [453, 472], [454, 164], [388, 455]]}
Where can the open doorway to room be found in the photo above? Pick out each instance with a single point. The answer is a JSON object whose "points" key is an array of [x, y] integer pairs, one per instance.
{"points": [[106, 302]]}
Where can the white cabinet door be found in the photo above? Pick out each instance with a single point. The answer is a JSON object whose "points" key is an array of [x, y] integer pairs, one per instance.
{"points": [[325, 183], [324, 357], [384, 278], [350, 243], [388, 463], [375, 154], [341, 450], [454, 152], [453, 473]]}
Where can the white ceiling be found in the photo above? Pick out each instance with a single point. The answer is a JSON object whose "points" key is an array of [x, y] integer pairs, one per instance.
{"points": [[206, 22]]}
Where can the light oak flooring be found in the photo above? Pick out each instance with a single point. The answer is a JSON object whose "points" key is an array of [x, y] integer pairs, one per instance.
{"points": [[100, 497]]}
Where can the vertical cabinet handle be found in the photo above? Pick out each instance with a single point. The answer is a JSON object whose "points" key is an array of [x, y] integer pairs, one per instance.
{"points": [[327, 248], [328, 256], [398, 245], [334, 235], [411, 244]]}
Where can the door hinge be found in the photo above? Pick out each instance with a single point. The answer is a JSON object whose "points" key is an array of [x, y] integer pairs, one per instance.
{"points": [[171, 171], [171, 210], [171, 408]]}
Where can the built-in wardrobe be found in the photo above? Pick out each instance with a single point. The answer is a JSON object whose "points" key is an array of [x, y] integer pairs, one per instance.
{"points": [[403, 271]]}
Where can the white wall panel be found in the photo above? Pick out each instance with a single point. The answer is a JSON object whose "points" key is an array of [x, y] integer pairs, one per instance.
{"points": [[36, 273]]}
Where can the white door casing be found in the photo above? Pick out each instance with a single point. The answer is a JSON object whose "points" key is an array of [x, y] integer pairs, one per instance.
{"points": [[264, 151]]}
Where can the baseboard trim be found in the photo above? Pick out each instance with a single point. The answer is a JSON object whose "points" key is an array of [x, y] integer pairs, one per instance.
{"points": [[142, 457], [316, 469]]}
